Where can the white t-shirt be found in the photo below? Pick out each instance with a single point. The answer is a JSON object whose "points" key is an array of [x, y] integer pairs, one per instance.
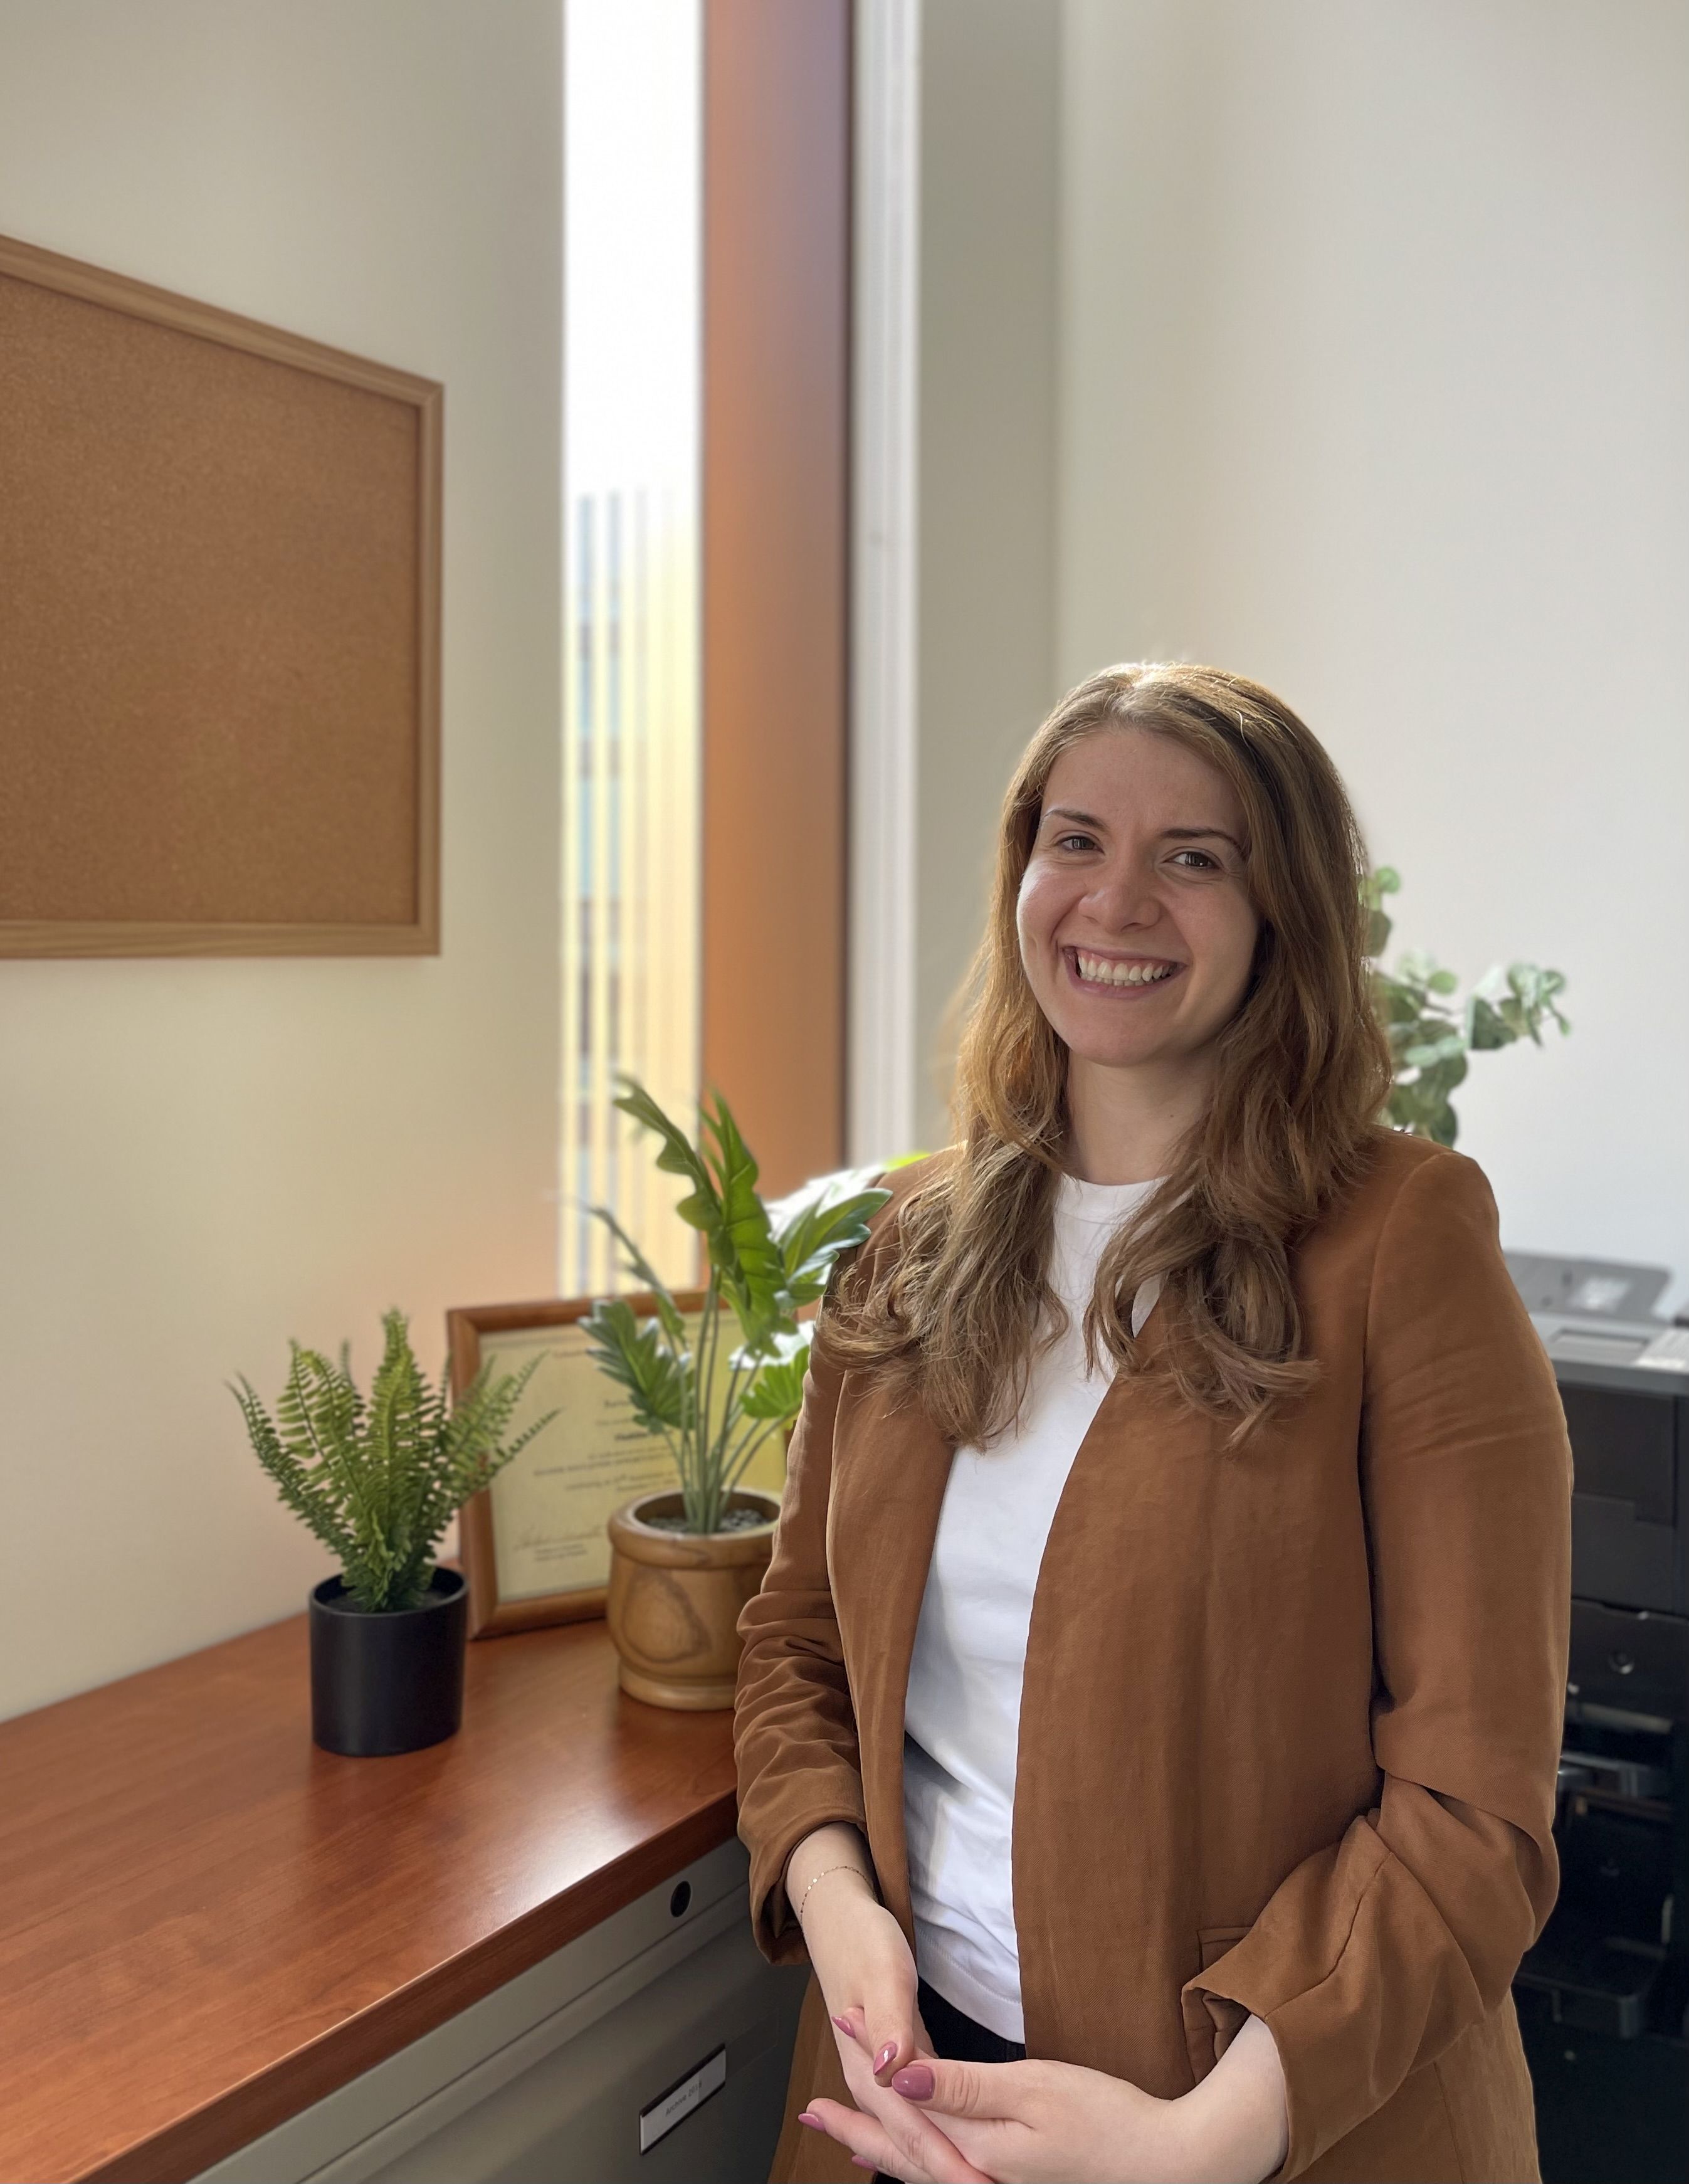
{"points": [[962, 1718]]}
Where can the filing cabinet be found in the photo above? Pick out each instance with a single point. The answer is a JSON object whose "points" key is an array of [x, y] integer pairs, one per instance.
{"points": [[662, 2025]]}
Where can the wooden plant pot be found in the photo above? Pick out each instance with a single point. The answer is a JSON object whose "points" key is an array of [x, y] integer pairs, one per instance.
{"points": [[675, 1599]]}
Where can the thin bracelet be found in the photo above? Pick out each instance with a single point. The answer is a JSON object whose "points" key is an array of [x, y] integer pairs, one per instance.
{"points": [[825, 1871]]}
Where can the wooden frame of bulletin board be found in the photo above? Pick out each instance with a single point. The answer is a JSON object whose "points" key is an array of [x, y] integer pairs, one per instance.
{"points": [[219, 647]]}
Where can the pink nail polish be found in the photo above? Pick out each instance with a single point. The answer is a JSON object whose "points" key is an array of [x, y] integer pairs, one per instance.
{"points": [[915, 2082], [809, 2122], [884, 2055], [845, 2027]]}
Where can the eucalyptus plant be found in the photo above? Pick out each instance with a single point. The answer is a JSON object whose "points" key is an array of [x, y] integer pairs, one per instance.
{"points": [[715, 1400], [379, 1480], [1431, 1033]]}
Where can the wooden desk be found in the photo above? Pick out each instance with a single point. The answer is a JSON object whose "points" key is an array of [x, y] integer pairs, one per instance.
{"points": [[206, 1923]]}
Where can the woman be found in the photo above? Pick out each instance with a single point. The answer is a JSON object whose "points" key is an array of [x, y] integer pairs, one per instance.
{"points": [[1163, 1651]]}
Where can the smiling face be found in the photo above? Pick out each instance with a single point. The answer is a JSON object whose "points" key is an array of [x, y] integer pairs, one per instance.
{"points": [[1136, 930]]}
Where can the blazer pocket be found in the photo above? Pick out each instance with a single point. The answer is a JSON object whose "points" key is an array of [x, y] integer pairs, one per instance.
{"points": [[1211, 2021]]}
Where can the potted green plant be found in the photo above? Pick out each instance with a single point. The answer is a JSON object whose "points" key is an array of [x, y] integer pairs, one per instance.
{"points": [[378, 1481], [1431, 1033], [682, 1563]]}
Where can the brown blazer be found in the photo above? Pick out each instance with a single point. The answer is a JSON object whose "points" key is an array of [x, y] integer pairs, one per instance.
{"points": [[1290, 1716]]}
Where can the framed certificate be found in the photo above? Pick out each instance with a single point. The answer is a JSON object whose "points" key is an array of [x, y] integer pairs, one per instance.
{"points": [[534, 1545]]}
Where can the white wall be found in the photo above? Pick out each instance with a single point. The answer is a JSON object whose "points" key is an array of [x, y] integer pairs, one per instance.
{"points": [[200, 1159], [1373, 341]]}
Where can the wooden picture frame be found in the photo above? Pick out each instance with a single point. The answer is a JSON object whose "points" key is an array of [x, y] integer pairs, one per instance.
{"points": [[598, 1413], [220, 660]]}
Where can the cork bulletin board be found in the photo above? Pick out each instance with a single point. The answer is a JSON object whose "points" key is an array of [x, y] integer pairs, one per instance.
{"points": [[219, 630]]}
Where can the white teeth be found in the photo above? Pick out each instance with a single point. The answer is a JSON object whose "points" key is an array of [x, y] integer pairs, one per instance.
{"points": [[1101, 971]]}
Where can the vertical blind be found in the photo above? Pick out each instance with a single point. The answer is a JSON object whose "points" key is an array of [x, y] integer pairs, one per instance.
{"points": [[631, 866]]}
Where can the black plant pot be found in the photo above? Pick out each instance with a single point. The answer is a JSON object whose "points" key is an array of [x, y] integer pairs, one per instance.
{"points": [[382, 1684]]}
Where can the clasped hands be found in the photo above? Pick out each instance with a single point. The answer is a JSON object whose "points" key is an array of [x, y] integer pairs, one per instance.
{"points": [[929, 2121]]}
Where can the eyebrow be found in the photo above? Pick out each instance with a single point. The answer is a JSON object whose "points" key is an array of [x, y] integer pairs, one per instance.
{"points": [[1167, 834]]}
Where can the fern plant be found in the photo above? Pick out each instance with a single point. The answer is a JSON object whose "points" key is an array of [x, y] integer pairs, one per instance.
{"points": [[1430, 1034], [379, 1480], [714, 1400]]}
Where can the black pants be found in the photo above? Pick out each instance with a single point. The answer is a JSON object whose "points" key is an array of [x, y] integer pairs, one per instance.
{"points": [[960, 2040], [957, 2037]]}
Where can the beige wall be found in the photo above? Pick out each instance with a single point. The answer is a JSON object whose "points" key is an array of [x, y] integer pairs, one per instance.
{"points": [[200, 1159], [1374, 336]]}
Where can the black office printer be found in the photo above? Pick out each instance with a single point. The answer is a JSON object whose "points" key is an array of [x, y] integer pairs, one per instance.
{"points": [[1603, 1997]]}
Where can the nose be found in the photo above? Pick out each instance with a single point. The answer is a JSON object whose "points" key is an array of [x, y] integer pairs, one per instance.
{"points": [[1123, 900]]}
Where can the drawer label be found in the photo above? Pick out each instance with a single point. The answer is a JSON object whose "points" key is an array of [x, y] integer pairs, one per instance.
{"points": [[662, 2114]]}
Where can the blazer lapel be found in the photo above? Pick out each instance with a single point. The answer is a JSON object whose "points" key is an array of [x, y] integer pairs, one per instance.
{"points": [[890, 1468]]}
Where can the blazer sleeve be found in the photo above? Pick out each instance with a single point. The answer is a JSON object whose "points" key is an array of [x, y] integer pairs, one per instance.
{"points": [[794, 1728], [1378, 1952]]}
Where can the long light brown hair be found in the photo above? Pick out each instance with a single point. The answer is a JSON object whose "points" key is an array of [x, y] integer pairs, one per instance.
{"points": [[952, 1311]]}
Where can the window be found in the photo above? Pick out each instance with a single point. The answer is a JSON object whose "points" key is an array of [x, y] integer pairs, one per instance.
{"points": [[632, 778], [706, 448]]}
